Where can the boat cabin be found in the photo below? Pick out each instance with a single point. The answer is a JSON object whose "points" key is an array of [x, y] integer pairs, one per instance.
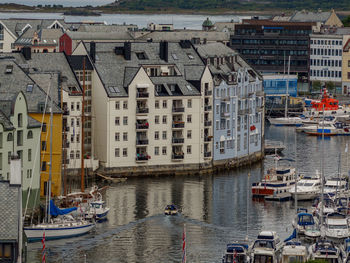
{"points": [[326, 250], [305, 219], [294, 252], [236, 253], [281, 174]]}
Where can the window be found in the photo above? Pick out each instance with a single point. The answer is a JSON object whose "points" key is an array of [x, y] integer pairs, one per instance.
{"points": [[117, 137], [189, 134], [189, 149], [125, 105], [72, 138], [125, 152], [44, 127], [125, 136], [72, 106], [78, 106], [164, 150], [78, 138], [29, 155], [78, 123], [77, 155], [156, 119], [156, 135], [164, 119], [29, 135], [125, 120], [43, 145], [189, 118], [0, 164], [164, 135], [189, 103], [72, 122], [165, 104], [43, 166], [19, 138], [9, 137], [117, 106], [156, 104], [71, 155], [116, 152], [348, 75], [1, 140], [117, 121], [20, 120], [156, 150]]}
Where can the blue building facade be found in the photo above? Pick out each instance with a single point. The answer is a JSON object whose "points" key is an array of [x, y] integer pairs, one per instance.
{"points": [[277, 85]]}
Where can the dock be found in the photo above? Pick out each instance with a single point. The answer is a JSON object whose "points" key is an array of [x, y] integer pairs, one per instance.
{"points": [[273, 147]]}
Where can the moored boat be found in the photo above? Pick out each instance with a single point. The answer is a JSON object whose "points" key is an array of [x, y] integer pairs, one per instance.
{"points": [[294, 251], [308, 188], [267, 248], [325, 250], [236, 252]]}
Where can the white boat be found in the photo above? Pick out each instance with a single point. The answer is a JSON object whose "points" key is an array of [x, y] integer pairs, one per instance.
{"points": [[267, 248], [336, 226], [236, 252], [308, 187], [97, 210], [346, 250], [286, 121], [325, 250], [63, 227], [294, 252], [312, 128], [335, 185], [303, 222]]}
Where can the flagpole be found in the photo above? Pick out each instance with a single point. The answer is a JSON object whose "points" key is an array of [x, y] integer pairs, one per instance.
{"points": [[184, 245]]}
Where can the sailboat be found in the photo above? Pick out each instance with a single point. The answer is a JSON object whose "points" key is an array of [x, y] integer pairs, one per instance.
{"points": [[286, 120], [58, 224]]}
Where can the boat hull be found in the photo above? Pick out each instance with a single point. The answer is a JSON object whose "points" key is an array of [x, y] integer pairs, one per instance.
{"points": [[286, 121], [36, 233], [305, 196]]}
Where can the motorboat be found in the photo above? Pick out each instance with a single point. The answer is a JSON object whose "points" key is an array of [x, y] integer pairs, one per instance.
{"points": [[267, 248], [335, 185], [346, 250], [286, 121], [97, 210], [336, 226], [303, 221], [308, 188], [325, 250], [328, 129], [170, 210], [294, 251], [277, 182], [236, 252]]}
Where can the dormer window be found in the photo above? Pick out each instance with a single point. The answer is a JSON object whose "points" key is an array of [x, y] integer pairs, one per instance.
{"points": [[9, 69], [29, 87], [141, 55], [190, 56]]}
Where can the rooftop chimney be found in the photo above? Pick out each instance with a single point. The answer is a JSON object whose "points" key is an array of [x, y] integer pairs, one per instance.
{"points": [[163, 50], [127, 50], [26, 51], [93, 51]]}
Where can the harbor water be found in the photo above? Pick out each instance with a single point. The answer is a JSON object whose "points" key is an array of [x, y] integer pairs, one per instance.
{"points": [[216, 209]]}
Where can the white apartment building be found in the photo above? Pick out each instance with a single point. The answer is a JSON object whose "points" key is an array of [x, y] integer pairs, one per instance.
{"points": [[149, 106], [326, 58]]}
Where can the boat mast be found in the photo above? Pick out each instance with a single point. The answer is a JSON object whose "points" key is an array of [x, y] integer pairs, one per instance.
{"points": [[287, 94], [82, 187], [296, 176], [50, 171], [322, 171]]}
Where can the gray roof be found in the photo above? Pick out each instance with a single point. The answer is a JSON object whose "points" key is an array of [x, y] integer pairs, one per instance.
{"points": [[306, 16], [122, 35], [6, 123], [115, 71], [16, 81], [46, 37], [105, 28], [215, 49], [186, 88]]}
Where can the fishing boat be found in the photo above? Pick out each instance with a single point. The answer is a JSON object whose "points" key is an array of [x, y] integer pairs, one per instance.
{"points": [[308, 187], [236, 252], [294, 251], [325, 250], [336, 226], [267, 248], [277, 182], [170, 210]]}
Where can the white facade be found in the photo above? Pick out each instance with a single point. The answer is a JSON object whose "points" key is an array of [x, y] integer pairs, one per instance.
{"points": [[326, 58], [6, 39]]}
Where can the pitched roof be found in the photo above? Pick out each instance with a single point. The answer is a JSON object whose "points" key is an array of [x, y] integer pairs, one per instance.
{"points": [[215, 49], [6, 123], [121, 35], [306, 16]]}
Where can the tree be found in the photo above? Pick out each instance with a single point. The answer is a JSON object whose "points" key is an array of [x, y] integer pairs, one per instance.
{"points": [[330, 86], [316, 85], [346, 21]]}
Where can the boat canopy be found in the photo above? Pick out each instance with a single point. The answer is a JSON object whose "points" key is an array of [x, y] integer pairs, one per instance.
{"points": [[283, 171], [305, 219], [264, 244], [239, 248], [55, 211]]}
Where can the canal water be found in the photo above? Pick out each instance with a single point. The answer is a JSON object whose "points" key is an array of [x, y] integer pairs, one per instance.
{"points": [[214, 208]]}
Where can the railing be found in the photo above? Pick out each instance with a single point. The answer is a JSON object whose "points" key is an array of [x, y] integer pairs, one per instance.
{"points": [[225, 114], [142, 110], [208, 93], [141, 141], [141, 126], [207, 123], [65, 112], [178, 125], [178, 140], [178, 109], [207, 108], [175, 156], [142, 158], [142, 95], [207, 138], [207, 154]]}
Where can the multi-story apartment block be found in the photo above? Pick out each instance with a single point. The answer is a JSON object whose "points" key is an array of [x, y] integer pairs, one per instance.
{"points": [[152, 106], [326, 52], [266, 45], [345, 32], [238, 105]]}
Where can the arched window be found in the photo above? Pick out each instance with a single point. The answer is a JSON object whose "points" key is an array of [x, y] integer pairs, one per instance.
{"points": [[30, 135], [9, 137]]}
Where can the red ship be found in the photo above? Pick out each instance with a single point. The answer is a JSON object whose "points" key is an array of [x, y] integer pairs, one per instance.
{"points": [[327, 102]]}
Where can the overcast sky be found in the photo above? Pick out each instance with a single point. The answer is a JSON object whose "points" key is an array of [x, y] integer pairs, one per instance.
{"points": [[61, 2]]}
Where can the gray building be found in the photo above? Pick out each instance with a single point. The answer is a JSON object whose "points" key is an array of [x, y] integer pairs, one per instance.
{"points": [[238, 104]]}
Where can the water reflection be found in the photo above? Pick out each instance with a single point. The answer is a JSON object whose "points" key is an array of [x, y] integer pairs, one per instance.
{"points": [[213, 207]]}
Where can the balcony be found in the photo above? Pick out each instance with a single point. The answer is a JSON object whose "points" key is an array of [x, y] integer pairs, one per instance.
{"points": [[142, 157], [177, 156], [178, 125], [178, 109], [207, 154], [260, 93], [243, 112], [207, 108], [208, 93], [142, 126], [142, 142], [225, 115], [65, 128], [142, 95], [207, 123], [65, 112], [208, 138], [141, 110], [178, 140]]}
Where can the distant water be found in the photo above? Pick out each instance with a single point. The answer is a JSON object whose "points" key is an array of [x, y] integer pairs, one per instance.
{"points": [[61, 2], [213, 208], [179, 21]]}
